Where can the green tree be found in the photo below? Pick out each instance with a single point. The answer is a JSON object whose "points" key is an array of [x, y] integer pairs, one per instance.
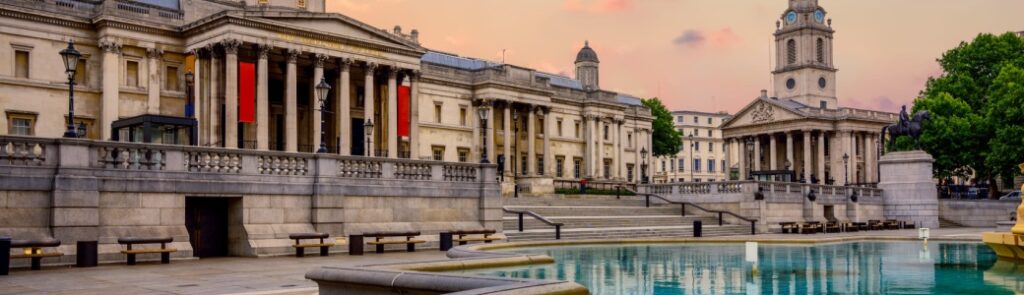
{"points": [[667, 140], [971, 104]]}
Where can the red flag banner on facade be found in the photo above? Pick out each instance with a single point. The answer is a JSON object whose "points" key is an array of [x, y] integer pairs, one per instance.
{"points": [[246, 92], [403, 111]]}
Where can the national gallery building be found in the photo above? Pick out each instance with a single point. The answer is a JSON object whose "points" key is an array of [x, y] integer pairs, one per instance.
{"points": [[246, 75]]}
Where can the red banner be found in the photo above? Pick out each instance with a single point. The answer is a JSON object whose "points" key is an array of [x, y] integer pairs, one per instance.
{"points": [[246, 92], [403, 111]]}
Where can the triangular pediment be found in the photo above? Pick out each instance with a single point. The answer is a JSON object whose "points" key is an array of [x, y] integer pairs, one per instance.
{"points": [[762, 111], [336, 24]]}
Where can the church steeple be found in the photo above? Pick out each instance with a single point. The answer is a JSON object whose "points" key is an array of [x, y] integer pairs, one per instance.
{"points": [[804, 71]]}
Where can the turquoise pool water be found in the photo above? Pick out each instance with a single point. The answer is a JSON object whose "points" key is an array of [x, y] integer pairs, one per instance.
{"points": [[844, 268]]}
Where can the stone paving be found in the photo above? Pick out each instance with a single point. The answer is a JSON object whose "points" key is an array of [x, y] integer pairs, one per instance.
{"points": [[285, 274]]}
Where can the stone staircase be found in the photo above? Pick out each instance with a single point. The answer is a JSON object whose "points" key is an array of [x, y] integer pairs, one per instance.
{"points": [[605, 217]]}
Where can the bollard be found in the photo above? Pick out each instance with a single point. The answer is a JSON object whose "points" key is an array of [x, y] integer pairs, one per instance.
{"points": [[753, 227], [355, 245], [520, 222], [86, 254], [5, 255], [682, 209], [558, 232], [697, 229], [648, 202], [719, 218], [446, 241]]}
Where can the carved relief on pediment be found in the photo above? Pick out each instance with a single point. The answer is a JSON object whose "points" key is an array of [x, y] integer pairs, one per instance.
{"points": [[763, 112]]}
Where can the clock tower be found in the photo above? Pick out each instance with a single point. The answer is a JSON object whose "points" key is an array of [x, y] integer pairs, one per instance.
{"points": [[804, 71]]}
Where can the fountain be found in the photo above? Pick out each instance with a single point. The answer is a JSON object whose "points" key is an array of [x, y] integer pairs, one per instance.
{"points": [[1009, 245]]}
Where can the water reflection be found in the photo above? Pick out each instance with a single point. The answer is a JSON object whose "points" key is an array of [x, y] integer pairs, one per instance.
{"points": [[847, 268]]}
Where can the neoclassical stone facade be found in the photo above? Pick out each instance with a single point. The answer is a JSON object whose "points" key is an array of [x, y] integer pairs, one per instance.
{"points": [[701, 157], [802, 129], [133, 87]]}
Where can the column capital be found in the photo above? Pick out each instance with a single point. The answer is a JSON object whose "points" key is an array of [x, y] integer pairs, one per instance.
{"points": [[371, 67], [293, 55], [197, 52], [263, 50], [344, 63], [110, 46], [541, 110], [212, 50], [154, 53], [392, 72], [231, 45], [319, 59]]}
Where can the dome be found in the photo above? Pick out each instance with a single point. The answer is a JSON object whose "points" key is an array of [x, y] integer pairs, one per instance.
{"points": [[586, 54]]}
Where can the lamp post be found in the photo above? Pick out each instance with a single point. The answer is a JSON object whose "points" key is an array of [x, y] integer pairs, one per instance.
{"points": [[190, 108], [368, 128], [846, 169], [482, 111], [643, 167], [515, 144], [321, 95], [691, 156], [71, 57], [746, 153]]}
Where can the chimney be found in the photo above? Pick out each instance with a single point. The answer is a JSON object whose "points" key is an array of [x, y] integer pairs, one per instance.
{"points": [[764, 92]]}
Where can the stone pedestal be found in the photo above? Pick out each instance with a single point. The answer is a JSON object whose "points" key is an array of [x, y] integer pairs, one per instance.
{"points": [[536, 185], [908, 191]]}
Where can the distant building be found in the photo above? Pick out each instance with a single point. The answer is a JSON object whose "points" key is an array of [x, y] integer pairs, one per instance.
{"points": [[702, 155], [1021, 34]]}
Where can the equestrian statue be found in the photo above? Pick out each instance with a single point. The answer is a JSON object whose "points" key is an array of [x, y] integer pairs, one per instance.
{"points": [[907, 126]]}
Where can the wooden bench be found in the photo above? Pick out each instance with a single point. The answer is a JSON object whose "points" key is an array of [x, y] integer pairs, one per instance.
{"points": [[300, 248], [410, 244], [891, 224], [832, 227], [810, 227], [789, 227], [462, 239], [165, 253], [34, 250], [875, 225], [849, 226]]}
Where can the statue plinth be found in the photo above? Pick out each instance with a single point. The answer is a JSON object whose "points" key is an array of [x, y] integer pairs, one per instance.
{"points": [[908, 188], [1009, 245]]}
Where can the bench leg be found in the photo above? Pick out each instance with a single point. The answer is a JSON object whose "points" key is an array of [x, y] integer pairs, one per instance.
{"points": [[299, 251], [131, 259], [487, 242], [380, 248], [411, 247], [165, 258], [323, 251], [37, 263], [463, 243]]}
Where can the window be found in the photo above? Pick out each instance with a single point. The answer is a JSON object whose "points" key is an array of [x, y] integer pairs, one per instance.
{"points": [[709, 121], [558, 125], [696, 165], [559, 166], [605, 132], [711, 146], [791, 51], [131, 74], [81, 72], [680, 119], [711, 165], [171, 79], [672, 166], [709, 133], [629, 139], [21, 62], [682, 165], [821, 50], [437, 112], [541, 125], [629, 172], [463, 155], [695, 119], [19, 123], [663, 166], [523, 164], [607, 168], [696, 145], [462, 116], [577, 167], [540, 165], [823, 104], [577, 129], [438, 153]]}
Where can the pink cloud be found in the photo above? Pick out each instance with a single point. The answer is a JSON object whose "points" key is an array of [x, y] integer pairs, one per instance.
{"points": [[597, 6], [724, 38]]}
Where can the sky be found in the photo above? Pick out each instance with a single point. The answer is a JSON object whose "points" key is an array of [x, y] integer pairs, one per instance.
{"points": [[700, 55]]}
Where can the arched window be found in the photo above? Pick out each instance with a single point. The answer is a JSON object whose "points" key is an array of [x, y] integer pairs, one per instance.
{"points": [[791, 51], [821, 50]]}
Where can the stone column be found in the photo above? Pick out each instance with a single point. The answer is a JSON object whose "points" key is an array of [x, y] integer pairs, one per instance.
{"points": [[231, 92], [492, 154], [637, 161], [263, 98], [154, 56], [414, 119], [344, 108], [548, 157], [728, 157], [871, 161], [111, 87], [393, 113], [291, 100], [600, 148], [368, 104], [773, 164], [620, 165], [822, 138], [808, 165], [789, 149], [531, 146], [214, 99], [588, 147], [757, 153], [314, 103], [197, 96], [508, 139], [743, 153]]}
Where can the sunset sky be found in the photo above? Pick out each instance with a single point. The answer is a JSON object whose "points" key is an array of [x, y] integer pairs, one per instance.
{"points": [[704, 55]]}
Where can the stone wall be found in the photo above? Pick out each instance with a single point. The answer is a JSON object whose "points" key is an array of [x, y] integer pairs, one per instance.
{"points": [[83, 190], [977, 213]]}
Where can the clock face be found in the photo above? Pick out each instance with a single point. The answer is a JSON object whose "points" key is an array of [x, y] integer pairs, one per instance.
{"points": [[819, 16], [822, 83], [791, 17]]}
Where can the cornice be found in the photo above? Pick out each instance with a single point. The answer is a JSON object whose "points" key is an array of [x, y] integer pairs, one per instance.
{"points": [[46, 19]]}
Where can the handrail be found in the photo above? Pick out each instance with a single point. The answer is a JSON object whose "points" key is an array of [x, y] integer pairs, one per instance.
{"points": [[753, 222], [557, 225]]}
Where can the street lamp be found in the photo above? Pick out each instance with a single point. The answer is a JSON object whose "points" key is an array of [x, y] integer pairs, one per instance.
{"points": [[189, 80], [846, 169], [71, 57], [321, 95], [691, 156], [368, 127], [643, 167], [746, 153], [483, 111]]}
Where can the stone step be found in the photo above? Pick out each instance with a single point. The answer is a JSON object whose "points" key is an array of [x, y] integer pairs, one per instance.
{"points": [[553, 211], [580, 234], [610, 221]]}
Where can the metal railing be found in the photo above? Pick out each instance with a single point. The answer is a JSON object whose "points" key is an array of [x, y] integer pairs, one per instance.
{"points": [[557, 225], [682, 210]]}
